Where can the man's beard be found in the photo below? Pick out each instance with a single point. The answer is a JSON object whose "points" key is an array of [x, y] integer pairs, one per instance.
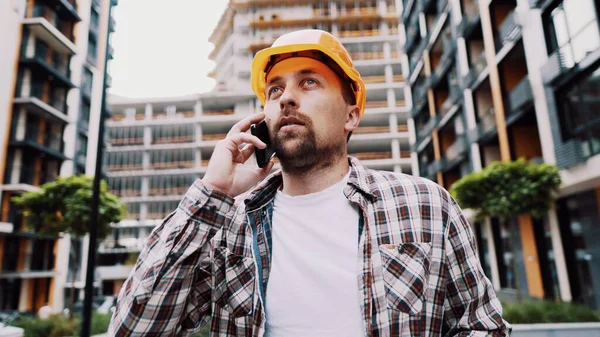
{"points": [[304, 156]]}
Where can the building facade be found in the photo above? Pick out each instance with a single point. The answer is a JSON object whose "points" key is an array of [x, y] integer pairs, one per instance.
{"points": [[159, 146], [51, 84], [501, 80]]}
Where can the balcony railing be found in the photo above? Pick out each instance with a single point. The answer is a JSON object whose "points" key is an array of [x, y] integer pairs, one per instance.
{"points": [[367, 56], [39, 91], [218, 112], [41, 11], [371, 129], [453, 97], [381, 79], [487, 122], [469, 18], [372, 155], [213, 136], [456, 149], [478, 66], [127, 192], [168, 190], [174, 139], [420, 92], [376, 104], [56, 61], [127, 141], [124, 167], [417, 55], [520, 95], [426, 129], [172, 165], [359, 33], [509, 29]]}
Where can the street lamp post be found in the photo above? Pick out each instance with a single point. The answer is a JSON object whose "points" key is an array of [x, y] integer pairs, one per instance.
{"points": [[95, 205]]}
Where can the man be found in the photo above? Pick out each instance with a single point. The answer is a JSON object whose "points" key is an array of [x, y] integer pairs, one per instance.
{"points": [[326, 247]]}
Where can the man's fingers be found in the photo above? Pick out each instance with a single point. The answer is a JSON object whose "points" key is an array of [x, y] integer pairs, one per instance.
{"points": [[246, 152], [244, 124], [246, 138]]}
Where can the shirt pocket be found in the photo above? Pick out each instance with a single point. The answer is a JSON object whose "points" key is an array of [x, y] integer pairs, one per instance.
{"points": [[234, 278], [405, 272]]}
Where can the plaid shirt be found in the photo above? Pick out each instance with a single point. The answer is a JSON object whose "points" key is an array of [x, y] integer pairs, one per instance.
{"points": [[209, 261]]}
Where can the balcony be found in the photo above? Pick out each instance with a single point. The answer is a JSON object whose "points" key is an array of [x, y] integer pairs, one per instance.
{"points": [[420, 93], [55, 68], [412, 31], [382, 79], [66, 9], [417, 55], [218, 112], [129, 193], [425, 130], [168, 191], [470, 19], [124, 167], [372, 155], [48, 26], [174, 139], [487, 123], [51, 146], [446, 59], [359, 33], [127, 141], [520, 97], [213, 136], [371, 130], [455, 152], [453, 97], [53, 110], [426, 5], [574, 57], [509, 31], [475, 70], [172, 165]]}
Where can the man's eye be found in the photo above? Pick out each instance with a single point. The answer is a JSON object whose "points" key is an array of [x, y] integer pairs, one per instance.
{"points": [[273, 91], [310, 82]]}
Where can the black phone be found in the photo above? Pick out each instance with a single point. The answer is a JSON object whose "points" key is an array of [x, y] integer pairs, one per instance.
{"points": [[263, 156]]}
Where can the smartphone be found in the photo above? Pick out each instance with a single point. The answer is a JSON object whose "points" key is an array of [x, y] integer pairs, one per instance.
{"points": [[263, 156]]}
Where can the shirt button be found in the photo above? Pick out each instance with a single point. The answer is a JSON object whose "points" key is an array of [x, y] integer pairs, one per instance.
{"points": [[213, 208]]}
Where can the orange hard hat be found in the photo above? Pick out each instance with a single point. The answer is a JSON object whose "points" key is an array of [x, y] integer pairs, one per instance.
{"points": [[296, 44]]}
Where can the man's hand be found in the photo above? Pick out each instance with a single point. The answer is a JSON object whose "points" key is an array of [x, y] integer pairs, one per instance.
{"points": [[226, 171]]}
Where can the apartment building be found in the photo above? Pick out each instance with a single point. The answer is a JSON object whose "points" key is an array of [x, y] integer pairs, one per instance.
{"points": [[51, 83], [159, 146], [500, 80]]}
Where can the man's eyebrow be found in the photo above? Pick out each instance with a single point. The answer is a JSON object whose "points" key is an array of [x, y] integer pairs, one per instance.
{"points": [[273, 80], [308, 71], [303, 72]]}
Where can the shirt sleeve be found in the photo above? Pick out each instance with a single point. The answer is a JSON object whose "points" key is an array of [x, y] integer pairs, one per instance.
{"points": [[471, 306], [168, 292]]}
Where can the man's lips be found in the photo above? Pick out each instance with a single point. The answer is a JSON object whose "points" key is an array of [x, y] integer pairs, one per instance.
{"points": [[289, 123]]}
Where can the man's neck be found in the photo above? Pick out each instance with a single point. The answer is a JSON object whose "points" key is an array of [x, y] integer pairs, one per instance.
{"points": [[315, 180]]}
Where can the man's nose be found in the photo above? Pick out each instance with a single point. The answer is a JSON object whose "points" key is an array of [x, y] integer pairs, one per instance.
{"points": [[288, 100]]}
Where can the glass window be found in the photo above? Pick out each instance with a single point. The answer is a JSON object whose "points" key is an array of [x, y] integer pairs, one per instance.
{"points": [[579, 106], [572, 28]]}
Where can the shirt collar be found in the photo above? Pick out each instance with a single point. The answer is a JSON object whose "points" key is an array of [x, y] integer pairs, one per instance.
{"points": [[264, 193]]}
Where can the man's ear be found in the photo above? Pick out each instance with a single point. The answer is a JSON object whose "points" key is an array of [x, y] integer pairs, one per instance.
{"points": [[352, 118]]}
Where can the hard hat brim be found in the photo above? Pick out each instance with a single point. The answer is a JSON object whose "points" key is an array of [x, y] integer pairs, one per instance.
{"points": [[258, 75]]}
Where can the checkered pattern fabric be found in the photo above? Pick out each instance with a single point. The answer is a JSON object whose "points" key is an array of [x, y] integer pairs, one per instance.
{"points": [[209, 262]]}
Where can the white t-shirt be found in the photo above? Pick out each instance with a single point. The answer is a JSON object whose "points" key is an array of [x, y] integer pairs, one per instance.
{"points": [[313, 284]]}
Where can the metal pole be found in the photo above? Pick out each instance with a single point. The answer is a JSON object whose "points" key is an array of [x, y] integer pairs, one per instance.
{"points": [[91, 261]]}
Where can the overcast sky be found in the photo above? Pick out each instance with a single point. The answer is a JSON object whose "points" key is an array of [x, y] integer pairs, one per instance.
{"points": [[161, 47]]}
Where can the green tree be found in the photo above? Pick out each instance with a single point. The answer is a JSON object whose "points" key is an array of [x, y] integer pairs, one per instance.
{"points": [[63, 206], [505, 190]]}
